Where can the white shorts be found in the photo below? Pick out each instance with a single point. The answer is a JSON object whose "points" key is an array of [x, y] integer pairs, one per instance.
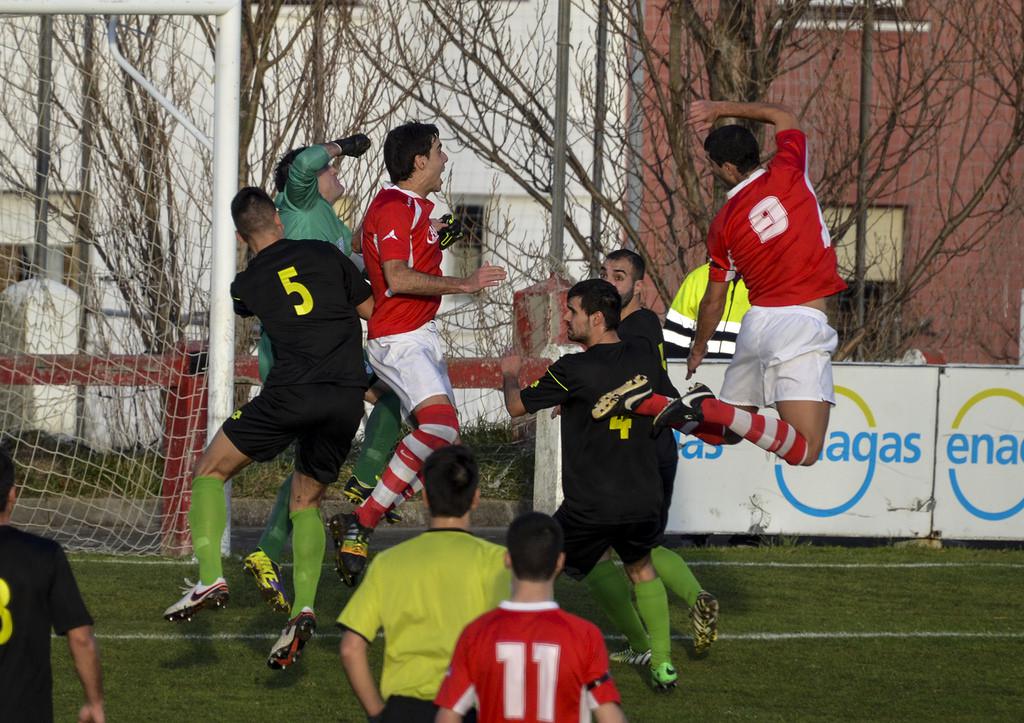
{"points": [[412, 364], [783, 353]]}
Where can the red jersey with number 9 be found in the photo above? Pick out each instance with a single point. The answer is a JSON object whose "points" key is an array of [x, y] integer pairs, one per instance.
{"points": [[397, 227], [528, 662], [771, 232]]}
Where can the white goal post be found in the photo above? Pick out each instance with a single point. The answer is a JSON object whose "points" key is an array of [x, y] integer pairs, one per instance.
{"points": [[224, 164]]}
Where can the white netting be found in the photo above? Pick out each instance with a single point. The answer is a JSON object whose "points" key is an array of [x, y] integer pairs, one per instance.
{"points": [[114, 265]]}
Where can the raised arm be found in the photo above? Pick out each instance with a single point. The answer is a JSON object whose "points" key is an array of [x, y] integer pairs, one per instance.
{"points": [[703, 114]]}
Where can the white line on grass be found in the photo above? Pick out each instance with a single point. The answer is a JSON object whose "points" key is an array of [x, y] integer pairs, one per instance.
{"points": [[113, 560], [837, 635]]}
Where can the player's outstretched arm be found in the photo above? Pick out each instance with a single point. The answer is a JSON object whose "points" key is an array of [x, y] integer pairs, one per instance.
{"points": [[447, 715], [82, 644], [609, 713], [702, 114], [403, 280], [357, 668], [709, 314], [511, 365]]}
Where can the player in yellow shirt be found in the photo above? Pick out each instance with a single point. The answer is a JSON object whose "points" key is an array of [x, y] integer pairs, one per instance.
{"points": [[681, 320], [422, 593]]}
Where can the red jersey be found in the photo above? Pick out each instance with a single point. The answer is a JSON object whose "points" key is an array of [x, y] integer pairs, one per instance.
{"points": [[528, 662], [397, 227], [772, 233]]}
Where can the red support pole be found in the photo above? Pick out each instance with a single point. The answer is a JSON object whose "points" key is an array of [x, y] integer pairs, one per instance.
{"points": [[539, 312], [184, 440]]}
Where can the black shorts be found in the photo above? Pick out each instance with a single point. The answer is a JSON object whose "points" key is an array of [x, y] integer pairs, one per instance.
{"points": [[321, 418], [668, 460], [403, 709], [585, 543]]}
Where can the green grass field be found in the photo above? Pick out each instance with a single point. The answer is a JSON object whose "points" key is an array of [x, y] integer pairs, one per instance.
{"points": [[807, 633]]}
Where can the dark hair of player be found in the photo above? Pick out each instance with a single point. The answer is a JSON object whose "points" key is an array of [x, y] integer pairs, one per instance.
{"points": [[733, 144], [6, 478], [450, 478], [636, 261], [253, 211], [284, 166], [598, 295], [403, 144], [534, 541]]}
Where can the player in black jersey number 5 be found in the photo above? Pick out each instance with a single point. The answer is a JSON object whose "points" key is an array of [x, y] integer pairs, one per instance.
{"points": [[309, 296]]}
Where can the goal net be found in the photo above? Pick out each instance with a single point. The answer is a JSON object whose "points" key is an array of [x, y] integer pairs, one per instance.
{"points": [[108, 178]]}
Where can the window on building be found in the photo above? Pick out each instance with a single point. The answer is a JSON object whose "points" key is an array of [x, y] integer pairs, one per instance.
{"points": [[467, 254], [884, 242], [890, 16], [883, 259], [18, 234]]}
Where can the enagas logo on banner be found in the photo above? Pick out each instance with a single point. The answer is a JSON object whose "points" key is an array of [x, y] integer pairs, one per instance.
{"points": [[985, 454], [853, 449]]}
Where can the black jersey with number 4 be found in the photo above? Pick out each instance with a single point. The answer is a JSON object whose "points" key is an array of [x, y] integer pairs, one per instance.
{"points": [[644, 323], [37, 593], [609, 468], [305, 294]]}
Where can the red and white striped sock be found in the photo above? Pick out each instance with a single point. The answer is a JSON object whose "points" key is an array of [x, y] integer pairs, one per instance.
{"points": [[768, 433], [651, 406], [437, 426], [715, 434]]}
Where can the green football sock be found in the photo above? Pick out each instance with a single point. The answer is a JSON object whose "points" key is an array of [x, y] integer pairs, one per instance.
{"points": [[675, 574], [382, 432], [609, 586], [308, 544], [207, 517], [278, 527], [652, 602]]}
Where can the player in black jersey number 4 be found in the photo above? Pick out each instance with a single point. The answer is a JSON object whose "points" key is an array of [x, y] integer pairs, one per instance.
{"points": [[625, 270], [613, 497]]}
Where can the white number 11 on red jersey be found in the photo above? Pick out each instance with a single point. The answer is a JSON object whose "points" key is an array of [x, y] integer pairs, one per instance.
{"points": [[512, 656]]}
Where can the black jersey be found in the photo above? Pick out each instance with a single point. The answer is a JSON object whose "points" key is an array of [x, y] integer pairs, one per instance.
{"points": [[609, 467], [645, 324], [37, 593], [305, 294]]}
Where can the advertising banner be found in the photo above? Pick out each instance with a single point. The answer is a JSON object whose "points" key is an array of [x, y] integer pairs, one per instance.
{"points": [[874, 477], [979, 472]]}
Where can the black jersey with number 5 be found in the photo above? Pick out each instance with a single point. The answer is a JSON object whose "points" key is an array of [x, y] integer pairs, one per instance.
{"points": [[305, 294], [609, 467], [37, 593]]}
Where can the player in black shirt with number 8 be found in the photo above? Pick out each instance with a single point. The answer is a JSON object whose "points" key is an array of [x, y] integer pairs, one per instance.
{"points": [[309, 296]]}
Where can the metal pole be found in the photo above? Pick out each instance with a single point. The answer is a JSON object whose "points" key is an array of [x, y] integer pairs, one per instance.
{"points": [[556, 253], [43, 264], [866, 81], [220, 374], [600, 93], [634, 129], [1020, 338], [83, 219]]}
